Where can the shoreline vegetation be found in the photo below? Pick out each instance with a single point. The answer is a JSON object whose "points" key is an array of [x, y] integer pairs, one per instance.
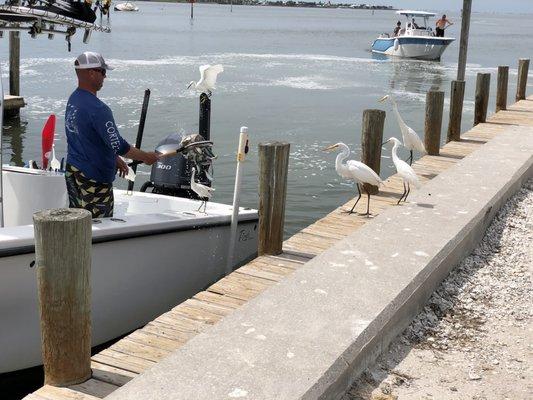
{"points": [[288, 3]]}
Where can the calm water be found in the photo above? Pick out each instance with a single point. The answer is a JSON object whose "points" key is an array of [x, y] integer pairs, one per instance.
{"points": [[300, 75]]}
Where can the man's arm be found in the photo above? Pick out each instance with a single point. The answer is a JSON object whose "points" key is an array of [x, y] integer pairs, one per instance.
{"points": [[146, 157]]}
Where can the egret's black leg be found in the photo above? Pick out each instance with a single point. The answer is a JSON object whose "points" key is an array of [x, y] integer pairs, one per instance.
{"points": [[403, 194], [201, 204], [411, 157], [357, 201], [368, 204], [408, 190]]}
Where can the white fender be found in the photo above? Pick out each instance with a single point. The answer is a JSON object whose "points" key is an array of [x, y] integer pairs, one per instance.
{"points": [[396, 44]]}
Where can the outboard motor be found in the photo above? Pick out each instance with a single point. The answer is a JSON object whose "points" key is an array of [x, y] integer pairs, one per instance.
{"points": [[171, 175]]}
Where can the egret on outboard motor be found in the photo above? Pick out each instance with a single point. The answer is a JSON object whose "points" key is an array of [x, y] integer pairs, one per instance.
{"points": [[171, 174]]}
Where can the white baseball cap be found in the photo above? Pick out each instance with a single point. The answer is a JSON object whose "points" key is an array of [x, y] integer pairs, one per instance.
{"points": [[89, 60]]}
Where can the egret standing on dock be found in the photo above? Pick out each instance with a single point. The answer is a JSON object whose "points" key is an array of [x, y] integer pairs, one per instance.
{"points": [[356, 171], [411, 141], [208, 78], [406, 172], [203, 192]]}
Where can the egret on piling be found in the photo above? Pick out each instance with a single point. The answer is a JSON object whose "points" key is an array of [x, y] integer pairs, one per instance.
{"points": [[208, 78], [203, 192], [411, 140], [356, 171], [406, 172]]}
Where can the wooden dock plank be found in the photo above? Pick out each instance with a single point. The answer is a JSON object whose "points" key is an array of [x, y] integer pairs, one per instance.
{"points": [[56, 393], [94, 387], [113, 375]]}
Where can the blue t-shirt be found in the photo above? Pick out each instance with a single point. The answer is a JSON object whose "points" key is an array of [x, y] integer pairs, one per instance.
{"points": [[93, 140]]}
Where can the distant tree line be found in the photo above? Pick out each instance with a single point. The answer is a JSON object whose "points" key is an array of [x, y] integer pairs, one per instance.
{"points": [[288, 3]]}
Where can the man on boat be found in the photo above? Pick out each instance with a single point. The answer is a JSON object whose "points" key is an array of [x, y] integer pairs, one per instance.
{"points": [[398, 28], [93, 141], [441, 25]]}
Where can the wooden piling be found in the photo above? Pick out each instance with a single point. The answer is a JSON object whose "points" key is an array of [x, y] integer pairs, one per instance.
{"points": [[433, 121], [273, 168], [14, 64], [463, 42], [204, 124], [63, 258], [457, 94], [371, 139], [482, 98], [523, 69], [501, 94]]}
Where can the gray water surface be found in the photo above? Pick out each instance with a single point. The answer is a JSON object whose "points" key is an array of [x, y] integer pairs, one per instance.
{"points": [[300, 75]]}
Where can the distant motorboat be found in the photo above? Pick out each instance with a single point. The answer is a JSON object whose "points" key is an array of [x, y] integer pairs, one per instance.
{"points": [[127, 6], [413, 41]]}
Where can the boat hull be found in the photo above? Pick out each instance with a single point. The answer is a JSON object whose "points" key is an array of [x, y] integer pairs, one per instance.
{"points": [[133, 280], [155, 253], [422, 48]]}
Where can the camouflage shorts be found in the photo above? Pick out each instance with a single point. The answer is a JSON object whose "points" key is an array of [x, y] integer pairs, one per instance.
{"points": [[89, 194]]}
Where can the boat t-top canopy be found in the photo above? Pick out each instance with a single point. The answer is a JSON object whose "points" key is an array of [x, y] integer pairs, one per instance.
{"points": [[411, 13]]}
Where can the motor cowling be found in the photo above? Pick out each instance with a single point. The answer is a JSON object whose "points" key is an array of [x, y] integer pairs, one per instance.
{"points": [[171, 175]]}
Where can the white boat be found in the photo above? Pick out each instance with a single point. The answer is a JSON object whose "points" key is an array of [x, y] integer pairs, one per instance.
{"points": [[127, 6], [156, 252], [413, 41]]}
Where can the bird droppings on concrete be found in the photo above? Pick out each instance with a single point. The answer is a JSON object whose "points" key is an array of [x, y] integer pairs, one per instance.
{"points": [[238, 393], [250, 330], [472, 340], [421, 253], [321, 291]]}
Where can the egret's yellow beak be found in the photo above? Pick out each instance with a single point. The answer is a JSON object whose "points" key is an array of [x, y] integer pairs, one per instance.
{"points": [[329, 148], [383, 98]]}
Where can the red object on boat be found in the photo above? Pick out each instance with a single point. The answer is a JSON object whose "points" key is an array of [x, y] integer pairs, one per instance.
{"points": [[48, 139]]}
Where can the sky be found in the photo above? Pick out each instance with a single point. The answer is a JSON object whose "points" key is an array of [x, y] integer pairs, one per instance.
{"points": [[514, 6]]}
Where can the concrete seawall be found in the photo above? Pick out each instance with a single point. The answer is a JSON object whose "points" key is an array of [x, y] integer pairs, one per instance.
{"points": [[309, 336]]}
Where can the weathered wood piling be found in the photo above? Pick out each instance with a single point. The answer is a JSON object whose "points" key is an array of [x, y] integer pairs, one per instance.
{"points": [[482, 98], [501, 93], [457, 94], [371, 139], [523, 69], [433, 121], [63, 259], [273, 169]]}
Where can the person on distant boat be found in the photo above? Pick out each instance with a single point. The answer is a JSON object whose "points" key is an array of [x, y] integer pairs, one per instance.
{"points": [[414, 24], [441, 25], [398, 28], [93, 142]]}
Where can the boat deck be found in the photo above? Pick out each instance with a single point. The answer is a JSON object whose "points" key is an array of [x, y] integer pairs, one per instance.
{"points": [[124, 360]]}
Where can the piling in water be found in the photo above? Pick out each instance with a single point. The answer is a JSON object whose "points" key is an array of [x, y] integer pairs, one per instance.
{"points": [[63, 259], [501, 94], [482, 98], [523, 68], [273, 168], [371, 139], [433, 121], [457, 94]]}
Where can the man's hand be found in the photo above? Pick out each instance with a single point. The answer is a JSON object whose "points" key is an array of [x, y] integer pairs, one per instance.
{"points": [[150, 157], [122, 167]]}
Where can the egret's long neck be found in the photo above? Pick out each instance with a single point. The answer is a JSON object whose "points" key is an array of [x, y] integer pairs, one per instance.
{"points": [[193, 174], [343, 155], [396, 112], [395, 152]]}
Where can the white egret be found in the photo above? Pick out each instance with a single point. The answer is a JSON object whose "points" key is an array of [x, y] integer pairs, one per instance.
{"points": [[208, 78], [406, 172], [411, 141], [55, 165], [203, 192], [356, 171]]}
